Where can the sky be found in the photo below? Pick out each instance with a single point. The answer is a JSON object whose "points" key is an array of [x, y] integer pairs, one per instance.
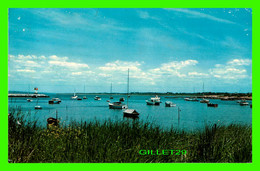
{"points": [[165, 50]]}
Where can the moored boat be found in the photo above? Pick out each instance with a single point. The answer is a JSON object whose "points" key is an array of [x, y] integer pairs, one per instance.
{"points": [[212, 105], [154, 101], [169, 104], [37, 107], [122, 99], [204, 101], [74, 97], [54, 101], [243, 103], [193, 99], [97, 98], [29, 100], [117, 105], [131, 113]]}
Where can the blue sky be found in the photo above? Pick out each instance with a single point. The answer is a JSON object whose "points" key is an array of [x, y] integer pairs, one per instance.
{"points": [[176, 50]]}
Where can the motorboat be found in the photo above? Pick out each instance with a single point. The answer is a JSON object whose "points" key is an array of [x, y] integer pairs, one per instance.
{"points": [[169, 104], [154, 101], [54, 101], [97, 98], [117, 105]]}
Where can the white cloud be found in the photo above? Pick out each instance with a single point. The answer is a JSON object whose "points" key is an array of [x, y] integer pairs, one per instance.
{"points": [[178, 65], [173, 68], [76, 73], [68, 64], [232, 70], [121, 66], [240, 62], [25, 70], [56, 58], [104, 75], [197, 74]]}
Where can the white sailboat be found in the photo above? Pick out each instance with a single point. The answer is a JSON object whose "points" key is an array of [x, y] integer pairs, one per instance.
{"points": [[37, 106], [204, 100], [111, 97], [74, 97], [130, 112], [84, 97]]}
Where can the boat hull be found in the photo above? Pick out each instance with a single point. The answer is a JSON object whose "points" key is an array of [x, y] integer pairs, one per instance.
{"points": [[112, 106], [54, 102], [212, 105]]}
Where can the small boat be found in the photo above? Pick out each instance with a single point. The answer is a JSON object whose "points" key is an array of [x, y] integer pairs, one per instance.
{"points": [[79, 98], [131, 113], [84, 97], [117, 105], [212, 105], [169, 104], [204, 101], [250, 105], [97, 98], [192, 99], [54, 101], [111, 97], [74, 97], [38, 107], [29, 100], [243, 103], [122, 99], [154, 101], [108, 100], [186, 99]]}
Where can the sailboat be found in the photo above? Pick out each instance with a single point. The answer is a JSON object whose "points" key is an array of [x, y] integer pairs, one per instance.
{"points": [[84, 97], [37, 106], [204, 100], [130, 112], [74, 97], [116, 105], [111, 97]]}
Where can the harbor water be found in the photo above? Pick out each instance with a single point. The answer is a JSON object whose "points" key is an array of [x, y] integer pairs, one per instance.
{"points": [[193, 115]]}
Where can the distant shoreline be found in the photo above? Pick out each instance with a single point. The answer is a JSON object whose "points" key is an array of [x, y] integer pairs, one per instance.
{"points": [[221, 96]]}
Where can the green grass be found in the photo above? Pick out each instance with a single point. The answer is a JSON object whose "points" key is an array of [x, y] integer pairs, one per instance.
{"points": [[120, 142]]}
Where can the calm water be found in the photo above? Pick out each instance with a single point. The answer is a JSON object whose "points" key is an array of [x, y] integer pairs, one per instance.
{"points": [[193, 115]]}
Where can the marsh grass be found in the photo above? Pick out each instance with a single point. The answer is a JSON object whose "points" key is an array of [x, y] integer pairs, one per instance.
{"points": [[82, 142]]}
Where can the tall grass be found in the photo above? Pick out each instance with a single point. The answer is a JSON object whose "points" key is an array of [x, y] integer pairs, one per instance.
{"points": [[121, 142]]}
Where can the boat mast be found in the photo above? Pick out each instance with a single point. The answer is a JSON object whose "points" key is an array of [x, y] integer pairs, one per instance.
{"points": [[203, 89], [111, 89], [127, 86]]}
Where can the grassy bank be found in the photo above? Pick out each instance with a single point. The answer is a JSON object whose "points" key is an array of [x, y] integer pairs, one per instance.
{"points": [[122, 141]]}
